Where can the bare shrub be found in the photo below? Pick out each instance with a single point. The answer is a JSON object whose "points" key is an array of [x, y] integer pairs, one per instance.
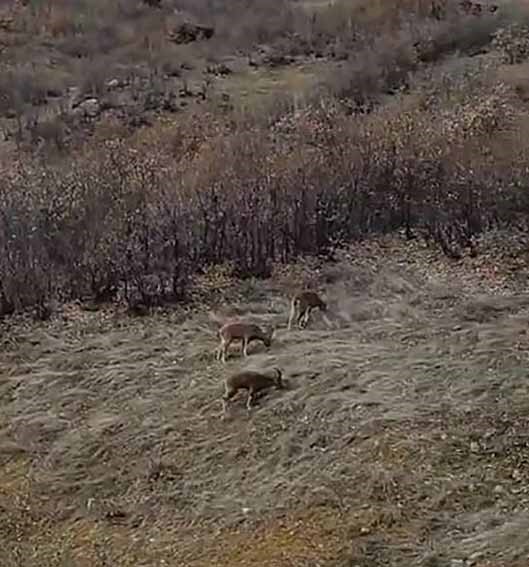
{"points": [[24, 85], [513, 43], [90, 44], [95, 73], [381, 68], [139, 219], [50, 133], [143, 218]]}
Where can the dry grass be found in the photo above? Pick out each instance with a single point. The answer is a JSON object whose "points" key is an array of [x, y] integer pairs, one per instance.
{"points": [[401, 437], [399, 440], [252, 88]]}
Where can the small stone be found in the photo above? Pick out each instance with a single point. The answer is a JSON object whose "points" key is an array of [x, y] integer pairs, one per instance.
{"points": [[475, 556], [89, 107], [113, 84], [474, 447]]}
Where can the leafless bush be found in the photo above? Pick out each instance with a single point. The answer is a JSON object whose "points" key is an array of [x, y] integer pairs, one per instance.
{"points": [[24, 86], [467, 35], [140, 218], [381, 68], [51, 132], [513, 42], [143, 219]]}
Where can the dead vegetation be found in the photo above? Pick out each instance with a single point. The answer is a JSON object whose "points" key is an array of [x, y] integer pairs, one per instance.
{"points": [[411, 127], [173, 161], [400, 438]]}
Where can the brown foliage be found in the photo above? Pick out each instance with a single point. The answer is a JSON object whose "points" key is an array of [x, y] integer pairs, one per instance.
{"points": [[140, 218]]}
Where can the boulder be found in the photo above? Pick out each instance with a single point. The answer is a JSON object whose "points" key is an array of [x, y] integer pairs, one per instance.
{"points": [[90, 107], [187, 32]]}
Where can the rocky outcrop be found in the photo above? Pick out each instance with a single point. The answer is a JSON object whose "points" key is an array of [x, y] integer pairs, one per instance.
{"points": [[90, 108], [187, 32]]}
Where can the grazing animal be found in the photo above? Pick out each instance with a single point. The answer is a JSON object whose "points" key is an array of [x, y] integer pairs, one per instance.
{"points": [[304, 302], [253, 382], [244, 332]]}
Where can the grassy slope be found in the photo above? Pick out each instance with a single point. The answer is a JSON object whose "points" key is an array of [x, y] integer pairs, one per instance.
{"points": [[400, 439]]}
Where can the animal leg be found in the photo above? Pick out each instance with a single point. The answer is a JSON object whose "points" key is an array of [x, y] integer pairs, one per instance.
{"points": [[226, 400], [292, 315], [218, 351], [224, 408], [245, 347], [303, 317], [250, 399], [300, 317], [307, 316], [225, 346]]}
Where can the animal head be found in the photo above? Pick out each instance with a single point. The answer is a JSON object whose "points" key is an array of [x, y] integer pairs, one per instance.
{"points": [[268, 337]]}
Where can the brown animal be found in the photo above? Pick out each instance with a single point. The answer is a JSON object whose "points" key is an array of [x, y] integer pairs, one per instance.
{"points": [[251, 381], [304, 303], [244, 332]]}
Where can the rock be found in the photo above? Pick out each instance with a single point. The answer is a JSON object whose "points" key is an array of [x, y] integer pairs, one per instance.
{"points": [[474, 557], [269, 58], [89, 107], [187, 32], [220, 70], [365, 530], [172, 69], [171, 103], [113, 84], [192, 89], [278, 60]]}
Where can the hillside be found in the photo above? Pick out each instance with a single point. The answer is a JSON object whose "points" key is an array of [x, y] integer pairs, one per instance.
{"points": [[170, 165], [400, 439]]}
